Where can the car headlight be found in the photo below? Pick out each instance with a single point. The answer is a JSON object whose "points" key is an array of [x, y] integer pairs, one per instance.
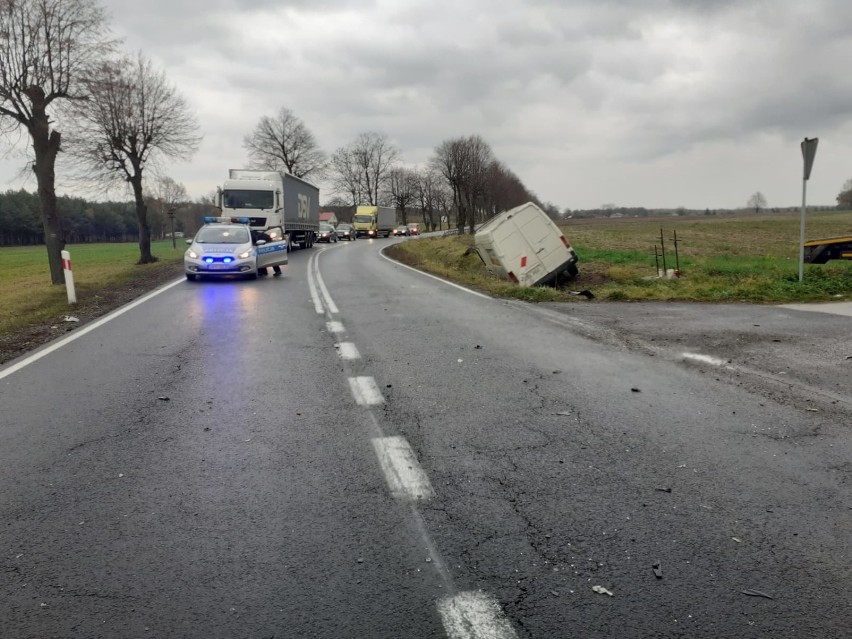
{"points": [[192, 254], [245, 255]]}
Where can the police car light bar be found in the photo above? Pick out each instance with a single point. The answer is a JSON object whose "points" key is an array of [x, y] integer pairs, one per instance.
{"points": [[211, 219]]}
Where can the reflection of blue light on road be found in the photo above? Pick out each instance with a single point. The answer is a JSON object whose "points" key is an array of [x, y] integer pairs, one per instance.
{"points": [[222, 304]]}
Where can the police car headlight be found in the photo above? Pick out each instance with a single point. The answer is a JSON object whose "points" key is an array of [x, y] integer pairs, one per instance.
{"points": [[192, 254], [244, 255]]}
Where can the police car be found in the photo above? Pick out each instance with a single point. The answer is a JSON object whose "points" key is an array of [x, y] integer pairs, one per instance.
{"points": [[224, 247]]}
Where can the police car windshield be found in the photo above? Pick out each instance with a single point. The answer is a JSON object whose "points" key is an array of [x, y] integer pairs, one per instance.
{"points": [[222, 235], [237, 199]]}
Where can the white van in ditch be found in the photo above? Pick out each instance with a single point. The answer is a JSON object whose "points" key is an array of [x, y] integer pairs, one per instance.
{"points": [[525, 246]]}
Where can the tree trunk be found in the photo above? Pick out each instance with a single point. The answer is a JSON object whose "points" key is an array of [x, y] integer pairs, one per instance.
{"points": [[145, 256], [45, 147]]}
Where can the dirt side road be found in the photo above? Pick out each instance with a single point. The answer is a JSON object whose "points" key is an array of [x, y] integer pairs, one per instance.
{"points": [[798, 357]]}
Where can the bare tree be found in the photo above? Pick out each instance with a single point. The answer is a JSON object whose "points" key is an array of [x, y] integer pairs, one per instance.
{"points": [[844, 198], [47, 47], [135, 117], [345, 176], [757, 202], [504, 190], [361, 169], [403, 190], [464, 164], [167, 198], [284, 143]]}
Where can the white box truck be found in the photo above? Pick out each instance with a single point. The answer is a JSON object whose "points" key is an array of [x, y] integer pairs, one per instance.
{"points": [[525, 246], [272, 199]]}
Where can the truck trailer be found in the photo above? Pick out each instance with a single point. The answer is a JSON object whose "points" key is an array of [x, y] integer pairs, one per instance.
{"points": [[372, 221], [525, 246], [272, 199]]}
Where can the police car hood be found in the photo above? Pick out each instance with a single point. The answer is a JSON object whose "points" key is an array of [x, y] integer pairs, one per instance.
{"points": [[209, 248]]}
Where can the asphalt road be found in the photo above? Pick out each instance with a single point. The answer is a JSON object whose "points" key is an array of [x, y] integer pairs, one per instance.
{"points": [[360, 450]]}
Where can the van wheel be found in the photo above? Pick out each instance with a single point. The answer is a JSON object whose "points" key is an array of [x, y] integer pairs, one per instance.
{"points": [[572, 270]]}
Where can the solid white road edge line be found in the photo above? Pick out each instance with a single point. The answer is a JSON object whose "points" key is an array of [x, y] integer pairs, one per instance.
{"points": [[365, 391], [88, 328], [435, 277], [313, 288], [347, 350], [406, 479], [474, 615], [332, 307]]}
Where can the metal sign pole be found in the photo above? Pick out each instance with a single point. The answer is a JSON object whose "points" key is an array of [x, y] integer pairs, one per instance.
{"points": [[809, 147], [802, 233]]}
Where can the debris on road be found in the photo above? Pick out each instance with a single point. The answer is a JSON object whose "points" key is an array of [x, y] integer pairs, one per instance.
{"points": [[756, 593], [602, 591], [163, 398], [635, 390], [587, 294], [564, 414], [658, 572], [663, 490], [70, 318]]}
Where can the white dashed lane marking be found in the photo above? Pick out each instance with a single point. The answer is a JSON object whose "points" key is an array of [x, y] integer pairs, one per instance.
{"points": [[406, 479], [335, 327], [347, 350], [474, 615], [365, 391], [705, 358]]}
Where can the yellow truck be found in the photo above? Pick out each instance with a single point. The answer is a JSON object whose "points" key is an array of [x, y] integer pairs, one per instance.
{"points": [[373, 221]]}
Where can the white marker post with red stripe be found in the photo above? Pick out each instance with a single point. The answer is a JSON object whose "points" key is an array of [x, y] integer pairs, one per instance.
{"points": [[69, 277]]}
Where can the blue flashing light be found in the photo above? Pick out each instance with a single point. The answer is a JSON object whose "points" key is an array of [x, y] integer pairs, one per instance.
{"points": [[209, 260], [227, 260], [240, 220], [209, 219]]}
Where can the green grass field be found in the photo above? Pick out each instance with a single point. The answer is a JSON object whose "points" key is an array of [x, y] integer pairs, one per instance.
{"points": [[27, 296], [748, 258]]}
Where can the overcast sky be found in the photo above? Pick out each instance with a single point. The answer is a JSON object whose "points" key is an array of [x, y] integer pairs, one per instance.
{"points": [[655, 103]]}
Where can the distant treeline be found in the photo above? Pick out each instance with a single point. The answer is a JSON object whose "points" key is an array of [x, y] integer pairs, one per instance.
{"points": [[84, 221]]}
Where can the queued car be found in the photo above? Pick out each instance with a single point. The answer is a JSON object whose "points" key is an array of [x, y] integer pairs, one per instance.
{"points": [[223, 247], [346, 232], [401, 231], [326, 233], [414, 228]]}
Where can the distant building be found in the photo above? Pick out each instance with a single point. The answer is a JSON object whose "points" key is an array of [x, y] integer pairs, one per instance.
{"points": [[329, 217]]}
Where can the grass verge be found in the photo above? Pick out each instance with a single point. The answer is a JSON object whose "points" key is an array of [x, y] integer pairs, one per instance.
{"points": [[722, 259], [105, 276]]}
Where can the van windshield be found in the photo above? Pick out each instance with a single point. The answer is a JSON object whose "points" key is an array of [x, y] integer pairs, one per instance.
{"points": [[240, 199]]}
